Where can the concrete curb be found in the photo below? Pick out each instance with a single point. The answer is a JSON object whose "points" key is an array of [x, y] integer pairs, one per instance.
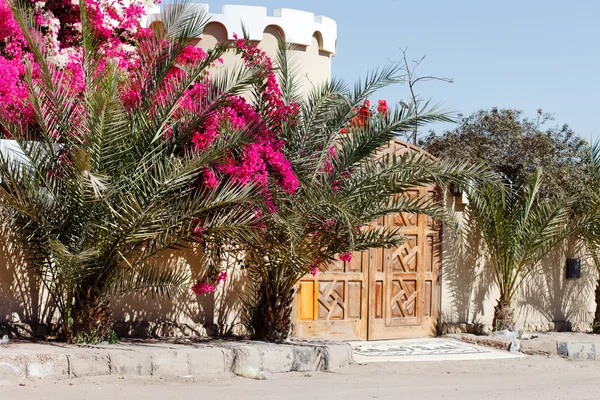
{"points": [[574, 351], [496, 343], [572, 348], [44, 361]]}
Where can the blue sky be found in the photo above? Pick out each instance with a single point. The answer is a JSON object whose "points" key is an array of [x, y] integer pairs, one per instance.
{"points": [[525, 54]]}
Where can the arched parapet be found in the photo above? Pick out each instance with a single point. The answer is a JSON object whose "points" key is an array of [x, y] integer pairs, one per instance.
{"points": [[319, 38], [300, 26], [152, 15], [276, 31], [297, 26]]}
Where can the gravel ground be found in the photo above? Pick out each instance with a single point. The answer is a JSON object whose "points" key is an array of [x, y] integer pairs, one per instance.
{"points": [[530, 378]]}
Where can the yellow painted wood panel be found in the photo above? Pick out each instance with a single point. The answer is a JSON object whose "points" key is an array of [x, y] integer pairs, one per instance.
{"points": [[306, 303]]}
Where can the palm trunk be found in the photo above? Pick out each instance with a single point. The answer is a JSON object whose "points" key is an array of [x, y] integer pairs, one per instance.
{"points": [[272, 320], [503, 316], [268, 308], [91, 317]]}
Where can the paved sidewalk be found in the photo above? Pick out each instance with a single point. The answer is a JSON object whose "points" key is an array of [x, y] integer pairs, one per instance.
{"points": [[161, 358]]}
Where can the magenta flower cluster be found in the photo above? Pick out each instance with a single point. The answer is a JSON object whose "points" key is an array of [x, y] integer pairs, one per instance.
{"points": [[265, 155], [205, 286], [114, 23], [120, 38], [13, 91]]}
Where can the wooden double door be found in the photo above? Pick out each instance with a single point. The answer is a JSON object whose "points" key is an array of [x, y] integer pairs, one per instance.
{"points": [[380, 294]]}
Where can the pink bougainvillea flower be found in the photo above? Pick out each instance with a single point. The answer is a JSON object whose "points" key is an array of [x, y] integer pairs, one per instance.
{"points": [[123, 43], [347, 256], [222, 277], [210, 180], [314, 267], [114, 22], [201, 288]]}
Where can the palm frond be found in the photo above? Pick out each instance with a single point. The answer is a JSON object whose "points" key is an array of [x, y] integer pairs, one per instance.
{"points": [[518, 229], [286, 67], [154, 279]]}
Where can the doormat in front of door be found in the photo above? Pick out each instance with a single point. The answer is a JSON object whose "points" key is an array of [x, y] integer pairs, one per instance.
{"points": [[423, 350]]}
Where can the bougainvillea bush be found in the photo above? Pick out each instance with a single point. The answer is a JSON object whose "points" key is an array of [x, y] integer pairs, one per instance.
{"points": [[126, 146], [345, 183]]}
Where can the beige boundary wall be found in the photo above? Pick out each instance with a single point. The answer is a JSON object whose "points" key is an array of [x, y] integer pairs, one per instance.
{"points": [[546, 301]]}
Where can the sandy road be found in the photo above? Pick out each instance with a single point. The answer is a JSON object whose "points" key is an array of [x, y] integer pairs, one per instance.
{"points": [[528, 378]]}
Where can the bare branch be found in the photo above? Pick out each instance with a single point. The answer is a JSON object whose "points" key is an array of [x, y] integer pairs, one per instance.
{"points": [[412, 79]]}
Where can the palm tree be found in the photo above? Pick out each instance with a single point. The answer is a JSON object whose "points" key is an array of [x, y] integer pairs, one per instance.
{"points": [[586, 220], [93, 191], [345, 184], [518, 230]]}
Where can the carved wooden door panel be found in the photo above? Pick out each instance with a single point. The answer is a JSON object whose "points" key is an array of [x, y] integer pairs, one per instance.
{"points": [[404, 281], [333, 305]]}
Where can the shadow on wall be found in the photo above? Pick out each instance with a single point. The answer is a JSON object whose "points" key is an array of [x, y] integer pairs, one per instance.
{"points": [[567, 304], [546, 301], [189, 314], [147, 315], [23, 302], [27, 310], [228, 304], [466, 279]]}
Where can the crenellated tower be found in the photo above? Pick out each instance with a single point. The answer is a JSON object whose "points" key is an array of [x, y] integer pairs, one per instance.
{"points": [[314, 37]]}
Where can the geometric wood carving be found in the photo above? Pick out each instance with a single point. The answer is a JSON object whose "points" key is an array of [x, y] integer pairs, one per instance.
{"points": [[331, 300], [404, 298], [406, 220], [405, 257], [382, 293]]}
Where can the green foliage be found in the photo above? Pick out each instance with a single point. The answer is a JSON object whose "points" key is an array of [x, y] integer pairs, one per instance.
{"points": [[586, 219], [518, 229], [515, 147], [92, 337], [111, 337], [98, 193]]}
